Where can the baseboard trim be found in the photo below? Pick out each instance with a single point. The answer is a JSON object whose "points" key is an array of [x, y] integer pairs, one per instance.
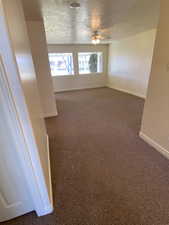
{"points": [[78, 89], [48, 115], [154, 144], [48, 208], [49, 171], [126, 91], [50, 178]]}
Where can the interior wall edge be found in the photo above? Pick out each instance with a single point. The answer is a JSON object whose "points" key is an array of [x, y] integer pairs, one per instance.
{"points": [[154, 144], [126, 91], [130, 60], [38, 44]]}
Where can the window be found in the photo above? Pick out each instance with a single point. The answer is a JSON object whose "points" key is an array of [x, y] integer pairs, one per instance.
{"points": [[90, 62], [61, 64]]}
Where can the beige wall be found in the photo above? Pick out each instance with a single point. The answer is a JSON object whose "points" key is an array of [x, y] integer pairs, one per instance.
{"points": [[130, 63], [155, 124], [62, 83], [40, 57]]}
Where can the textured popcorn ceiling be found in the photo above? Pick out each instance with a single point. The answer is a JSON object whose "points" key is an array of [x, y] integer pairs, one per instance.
{"points": [[113, 18]]}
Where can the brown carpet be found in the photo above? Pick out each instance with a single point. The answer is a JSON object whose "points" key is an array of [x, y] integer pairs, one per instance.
{"points": [[102, 172]]}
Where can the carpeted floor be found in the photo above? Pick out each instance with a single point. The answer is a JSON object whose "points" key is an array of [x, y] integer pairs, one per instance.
{"points": [[102, 172]]}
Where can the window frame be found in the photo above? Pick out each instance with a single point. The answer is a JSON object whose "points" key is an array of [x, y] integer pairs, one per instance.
{"points": [[91, 73], [76, 63], [64, 75]]}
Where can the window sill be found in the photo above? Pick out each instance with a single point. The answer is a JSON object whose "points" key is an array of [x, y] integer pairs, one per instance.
{"points": [[72, 75], [78, 75], [90, 74]]}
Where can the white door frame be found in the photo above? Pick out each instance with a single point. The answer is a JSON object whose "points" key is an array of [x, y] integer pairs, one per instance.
{"points": [[25, 140]]}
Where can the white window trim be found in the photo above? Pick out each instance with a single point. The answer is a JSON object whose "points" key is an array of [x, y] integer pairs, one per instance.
{"points": [[64, 75], [76, 65], [91, 73]]}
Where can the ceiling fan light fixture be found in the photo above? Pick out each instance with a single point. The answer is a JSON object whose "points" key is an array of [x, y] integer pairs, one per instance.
{"points": [[95, 38], [95, 41], [75, 5]]}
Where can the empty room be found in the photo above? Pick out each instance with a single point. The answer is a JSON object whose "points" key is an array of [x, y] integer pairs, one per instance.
{"points": [[84, 93]]}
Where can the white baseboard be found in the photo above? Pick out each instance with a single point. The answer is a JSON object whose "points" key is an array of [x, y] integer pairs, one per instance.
{"points": [[48, 208], [47, 115], [127, 91], [155, 145], [50, 178], [78, 89]]}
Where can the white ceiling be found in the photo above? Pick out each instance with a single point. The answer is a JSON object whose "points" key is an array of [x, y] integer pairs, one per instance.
{"points": [[113, 18]]}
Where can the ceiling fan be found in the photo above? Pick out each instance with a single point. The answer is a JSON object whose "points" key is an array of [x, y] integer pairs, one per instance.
{"points": [[74, 4], [98, 36]]}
